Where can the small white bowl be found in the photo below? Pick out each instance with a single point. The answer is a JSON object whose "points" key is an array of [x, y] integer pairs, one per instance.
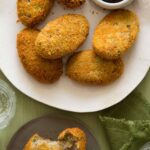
{"points": [[116, 5]]}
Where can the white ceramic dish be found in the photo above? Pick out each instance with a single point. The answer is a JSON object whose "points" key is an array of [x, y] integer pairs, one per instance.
{"points": [[66, 94], [116, 5]]}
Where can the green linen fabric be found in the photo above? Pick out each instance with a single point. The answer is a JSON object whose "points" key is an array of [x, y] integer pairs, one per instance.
{"points": [[127, 125]]}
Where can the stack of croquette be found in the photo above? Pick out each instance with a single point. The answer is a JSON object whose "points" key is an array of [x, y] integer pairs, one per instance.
{"points": [[41, 51]]}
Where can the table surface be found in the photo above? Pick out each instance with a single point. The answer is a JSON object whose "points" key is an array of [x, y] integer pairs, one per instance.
{"points": [[28, 109]]}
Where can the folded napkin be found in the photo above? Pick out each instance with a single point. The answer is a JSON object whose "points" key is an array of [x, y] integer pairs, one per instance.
{"points": [[127, 125]]}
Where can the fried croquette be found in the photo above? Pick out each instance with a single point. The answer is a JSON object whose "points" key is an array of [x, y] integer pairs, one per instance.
{"points": [[46, 71], [38, 143], [69, 139], [87, 67], [62, 36], [115, 34], [32, 12], [72, 3], [74, 138]]}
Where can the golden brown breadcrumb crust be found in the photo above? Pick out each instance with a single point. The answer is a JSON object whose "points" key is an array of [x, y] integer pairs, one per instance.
{"points": [[76, 133], [32, 12], [72, 3], [115, 34], [62, 36], [87, 67], [46, 71]]}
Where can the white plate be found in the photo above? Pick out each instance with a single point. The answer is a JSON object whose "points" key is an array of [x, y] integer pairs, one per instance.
{"points": [[66, 94]]}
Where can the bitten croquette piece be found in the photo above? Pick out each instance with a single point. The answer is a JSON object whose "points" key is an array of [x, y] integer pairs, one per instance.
{"points": [[73, 139], [72, 3], [62, 36], [87, 67], [32, 12], [46, 71], [38, 143], [115, 34], [68, 139]]}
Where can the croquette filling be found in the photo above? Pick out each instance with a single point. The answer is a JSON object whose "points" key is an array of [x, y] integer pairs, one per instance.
{"points": [[69, 142], [35, 139]]}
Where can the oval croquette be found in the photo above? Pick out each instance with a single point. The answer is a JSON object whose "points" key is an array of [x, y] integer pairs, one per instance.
{"points": [[87, 67], [32, 12], [72, 3], [115, 34], [46, 71], [62, 36]]}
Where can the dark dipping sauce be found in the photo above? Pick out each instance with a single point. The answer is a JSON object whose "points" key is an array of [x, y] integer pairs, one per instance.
{"points": [[112, 1]]}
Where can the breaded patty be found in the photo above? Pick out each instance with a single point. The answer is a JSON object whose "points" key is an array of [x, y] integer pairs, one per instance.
{"points": [[115, 34], [32, 12], [46, 71], [62, 36], [72, 3], [87, 67], [75, 137]]}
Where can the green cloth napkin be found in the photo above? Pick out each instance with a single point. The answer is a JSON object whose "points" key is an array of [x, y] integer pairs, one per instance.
{"points": [[127, 125]]}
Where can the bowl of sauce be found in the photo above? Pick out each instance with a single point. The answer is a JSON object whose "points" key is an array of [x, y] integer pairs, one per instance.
{"points": [[112, 4]]}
